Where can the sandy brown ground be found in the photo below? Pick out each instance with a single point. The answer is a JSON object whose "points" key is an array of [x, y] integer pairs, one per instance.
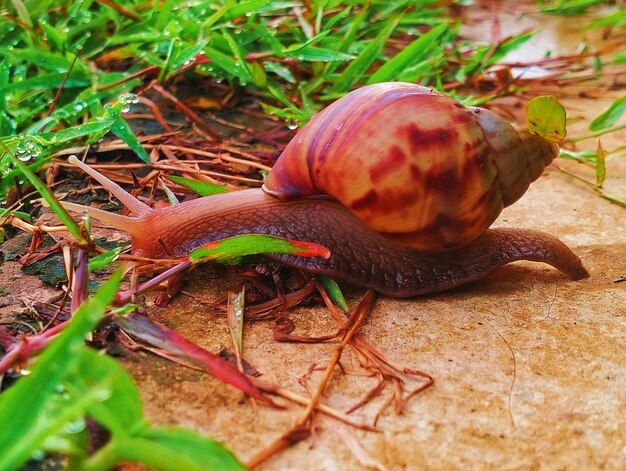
{"points": [[530, 367]]}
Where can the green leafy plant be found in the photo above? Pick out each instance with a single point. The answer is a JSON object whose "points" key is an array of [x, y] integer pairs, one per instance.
{"points": [[46, 410], [61, 84]]}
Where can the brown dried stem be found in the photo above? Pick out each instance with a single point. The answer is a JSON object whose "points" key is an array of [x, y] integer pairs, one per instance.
{"points": [[300, 431]]}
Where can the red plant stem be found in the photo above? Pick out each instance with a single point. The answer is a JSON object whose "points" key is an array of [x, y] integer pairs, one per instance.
{"points": [[125, 296], [156, 112], [187, 111], [354, 322], [81, 279], [299, 432], [67, 75], [28, 346], [147, 71]]}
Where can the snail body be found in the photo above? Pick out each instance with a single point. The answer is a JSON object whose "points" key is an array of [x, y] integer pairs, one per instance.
{"points": [[399, 182]]}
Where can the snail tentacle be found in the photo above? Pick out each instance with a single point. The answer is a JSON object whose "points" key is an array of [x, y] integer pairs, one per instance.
{"points": [[130, 225], [135, 206]]}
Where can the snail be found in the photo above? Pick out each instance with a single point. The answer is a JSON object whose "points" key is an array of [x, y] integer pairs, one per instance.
{"points": [[399, 182]]}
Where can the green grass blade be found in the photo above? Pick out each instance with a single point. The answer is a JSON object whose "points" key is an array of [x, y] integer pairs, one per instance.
{"points": [[184, 57], [244, 74], [318, 54], [252, 244], [50, 81], [610, 116], [99, 127], [224, 62], [22, 428], [198, 187], [365, 59], [61, 213], [333, 290], [122, 130], [411, 54], [215, 17], [104, 259]]}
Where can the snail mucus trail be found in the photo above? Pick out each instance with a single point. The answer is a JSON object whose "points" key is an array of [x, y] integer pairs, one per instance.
{"points": [[399, 182]]}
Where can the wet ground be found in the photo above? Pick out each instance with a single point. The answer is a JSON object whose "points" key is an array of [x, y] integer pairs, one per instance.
{"points": [[529, 366]]}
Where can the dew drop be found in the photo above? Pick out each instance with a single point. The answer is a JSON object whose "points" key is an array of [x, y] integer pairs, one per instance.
{"points": [[75, 427]]}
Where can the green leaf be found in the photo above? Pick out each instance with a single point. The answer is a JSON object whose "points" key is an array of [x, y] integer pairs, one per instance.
{"points": [[280, 70], [126, 309], [318, 54], [9, 177], [299, 115], [104, 259], [569, 7], [205, 452], [244, 74], [122, 130], [365, 59], [23, 424], [610, 116], [252, 244], [4, 213], [224, 62], [411, 54], [101, 127], [185, 56], [8, 125], [169, 449], [47, 60], [121, 412], [255, 6], [585, 156], [54, 35], [51, 81], [546, 117], [507, 46], [333, 290], [198, 187], [600, 168], [616, 19], [274, 43], [47, 195]]}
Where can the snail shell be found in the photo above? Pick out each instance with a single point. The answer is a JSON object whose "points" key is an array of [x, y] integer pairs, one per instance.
{"points": [[412, 164]]}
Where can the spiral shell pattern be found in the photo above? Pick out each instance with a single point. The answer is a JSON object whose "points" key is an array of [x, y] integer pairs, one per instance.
{"points": [[412, 164]]}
